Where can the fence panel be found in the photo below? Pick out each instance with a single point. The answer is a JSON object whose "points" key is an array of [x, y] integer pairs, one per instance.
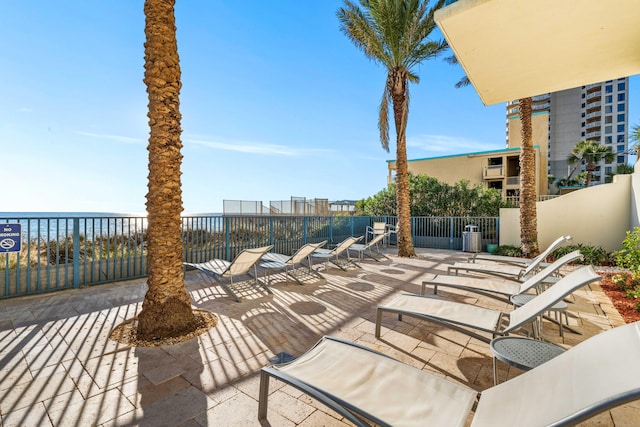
{"points": [[63, 252]]}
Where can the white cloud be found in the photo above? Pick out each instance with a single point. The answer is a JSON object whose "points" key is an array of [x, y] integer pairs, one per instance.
{"points": [[117, 138], [443, 145], [255, 147]]}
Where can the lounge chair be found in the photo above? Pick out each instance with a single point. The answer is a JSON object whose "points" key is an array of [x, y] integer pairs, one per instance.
{"points": [[468, 318], [516, 273], [371, 249], [223, 272], [500, 288], [377, 229], [365, 386], [519, 260], [290, 263], [334, 255]]}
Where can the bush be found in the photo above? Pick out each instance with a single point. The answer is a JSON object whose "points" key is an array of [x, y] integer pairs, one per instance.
{"points": [[591, 255], [629, 254], [508, 250]]}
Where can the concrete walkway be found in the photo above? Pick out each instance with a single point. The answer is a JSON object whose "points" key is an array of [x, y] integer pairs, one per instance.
{"points": [[58, 367]]}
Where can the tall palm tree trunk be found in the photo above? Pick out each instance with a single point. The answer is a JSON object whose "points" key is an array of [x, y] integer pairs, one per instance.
{"points": [[400, 113], [166, 310], [528, 195]]}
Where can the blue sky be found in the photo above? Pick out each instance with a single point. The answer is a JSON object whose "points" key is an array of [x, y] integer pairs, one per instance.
{"points": [[276, 102]]}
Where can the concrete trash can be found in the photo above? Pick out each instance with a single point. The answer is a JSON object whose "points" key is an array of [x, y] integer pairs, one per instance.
{"points": [[471, 239]]}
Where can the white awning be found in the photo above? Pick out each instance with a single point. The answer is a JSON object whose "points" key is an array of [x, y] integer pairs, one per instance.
{"points": [[512, 49]]}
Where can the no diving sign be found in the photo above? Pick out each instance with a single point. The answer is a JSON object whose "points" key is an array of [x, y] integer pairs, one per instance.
{"points": [[10, 237]]}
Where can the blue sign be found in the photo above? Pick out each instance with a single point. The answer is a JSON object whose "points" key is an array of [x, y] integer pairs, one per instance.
{"points": [[10, 237]]}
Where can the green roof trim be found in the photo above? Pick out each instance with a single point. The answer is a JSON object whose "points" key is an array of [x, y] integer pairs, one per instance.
{"points": [[478, 153]]}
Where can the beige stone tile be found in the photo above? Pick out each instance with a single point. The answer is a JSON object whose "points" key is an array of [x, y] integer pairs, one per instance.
{"points": [[26, 395], [95, 410], [34, 415], [289, 407]]}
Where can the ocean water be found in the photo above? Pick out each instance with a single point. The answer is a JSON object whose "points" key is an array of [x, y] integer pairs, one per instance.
{"points": [[62, 225]]}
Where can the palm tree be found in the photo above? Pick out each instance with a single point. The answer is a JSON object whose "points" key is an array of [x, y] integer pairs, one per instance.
{"points": [[591, 153], [394, 33], [528, 194], [527, 191], [166, 310], [635, 138]]}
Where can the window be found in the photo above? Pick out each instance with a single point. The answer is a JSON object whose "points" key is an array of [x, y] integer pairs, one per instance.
{"points": [[620, 128], [620, 86], [608, 109], [620, 148], [582, 124], [608, 88], [582, 133], [621, 97], [620, 138], [583, 105], [608, 119], [608, 99], [608, 139], [608, 170], [608, 129], [583, 96], [621, 117], [620, 159], [583, 114], [620, 107]]}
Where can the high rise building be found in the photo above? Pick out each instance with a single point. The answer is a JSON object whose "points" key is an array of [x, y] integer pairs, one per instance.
{"points": [[596, 112]]}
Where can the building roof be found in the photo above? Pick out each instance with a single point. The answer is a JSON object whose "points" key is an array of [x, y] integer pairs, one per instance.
{"points": [[477, 153], [512, 49]]}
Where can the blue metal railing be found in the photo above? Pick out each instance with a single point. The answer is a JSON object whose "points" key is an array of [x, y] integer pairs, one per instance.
{"points": [[71, 251]]}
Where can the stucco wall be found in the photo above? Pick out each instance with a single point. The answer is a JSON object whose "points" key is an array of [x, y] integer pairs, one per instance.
{"points": [[596, 216]]}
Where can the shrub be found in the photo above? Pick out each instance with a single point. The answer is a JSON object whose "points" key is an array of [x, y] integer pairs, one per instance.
{"points": [[591, 255], [629, 254], [508, 250]]}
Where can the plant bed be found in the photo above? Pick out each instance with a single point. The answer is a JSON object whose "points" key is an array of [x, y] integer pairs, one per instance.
{"points": [[626, 306]]}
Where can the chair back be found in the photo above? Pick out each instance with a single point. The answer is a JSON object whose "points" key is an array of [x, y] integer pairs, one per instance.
{"points": [[304, 252], [591, 377], [246, 260], [379, 227], [535, 263], [344, 245], [376, 240], [537, 278], [541, 303]]}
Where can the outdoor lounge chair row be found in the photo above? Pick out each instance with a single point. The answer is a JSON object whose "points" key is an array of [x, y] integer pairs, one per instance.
{"points": [[366, 387], [246, 263]]}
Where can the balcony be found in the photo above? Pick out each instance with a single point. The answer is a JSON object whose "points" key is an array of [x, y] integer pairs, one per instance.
{"points": [[513, 181], [493, 172], [593, 134]]}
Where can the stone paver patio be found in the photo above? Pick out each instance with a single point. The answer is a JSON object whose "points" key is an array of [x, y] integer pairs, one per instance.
{"points": [[58, 367]]}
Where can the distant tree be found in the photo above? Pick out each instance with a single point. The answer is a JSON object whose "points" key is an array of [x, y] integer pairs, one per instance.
{"points": [[395, 34], [431, 197], [591, 153]]}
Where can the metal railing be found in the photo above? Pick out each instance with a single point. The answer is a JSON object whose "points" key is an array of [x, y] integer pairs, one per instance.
{"points": [[65, 252]]}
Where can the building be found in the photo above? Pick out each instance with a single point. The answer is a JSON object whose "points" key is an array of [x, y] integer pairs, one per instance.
{"points": [[596, 112]]}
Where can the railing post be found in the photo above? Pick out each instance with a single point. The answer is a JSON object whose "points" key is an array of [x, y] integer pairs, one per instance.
{"points": [[304, 229], [76, 252], [330, 229], [451, 222], [227, 237]]}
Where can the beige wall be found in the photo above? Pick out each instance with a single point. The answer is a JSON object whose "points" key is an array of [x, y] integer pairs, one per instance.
{"points": [[595, 216], [450, 169]]}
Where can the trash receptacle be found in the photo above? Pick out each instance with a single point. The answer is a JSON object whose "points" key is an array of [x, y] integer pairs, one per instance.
{"points": [[471, 239]]}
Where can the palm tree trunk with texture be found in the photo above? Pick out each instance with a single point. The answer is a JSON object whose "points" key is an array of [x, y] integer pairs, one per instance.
{"points": [[528, 195], [405, 243], [166, 310]]}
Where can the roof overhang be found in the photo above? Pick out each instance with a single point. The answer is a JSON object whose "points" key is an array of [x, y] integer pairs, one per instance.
{"points": [[512, 49]]}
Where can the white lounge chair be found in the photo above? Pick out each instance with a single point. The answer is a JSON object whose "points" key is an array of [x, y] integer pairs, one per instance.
{"points": [[334, 255], [517, 273], [500, 288], [471, 319], [366, 386], [520, 260], [377, 229], [223, 272], [371, 249], [291, 263]]}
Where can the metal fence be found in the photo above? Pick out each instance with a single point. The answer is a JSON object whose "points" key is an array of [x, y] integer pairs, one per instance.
{"points": [[73, 251]]}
